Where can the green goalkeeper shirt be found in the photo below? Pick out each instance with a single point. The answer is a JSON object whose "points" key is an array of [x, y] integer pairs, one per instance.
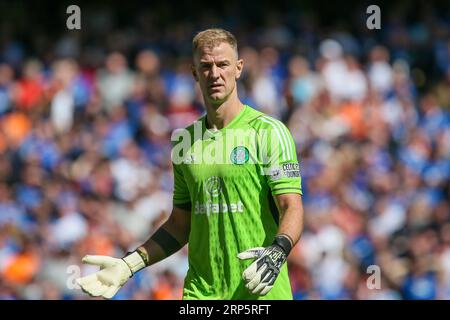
{"points": [[227, 179]]}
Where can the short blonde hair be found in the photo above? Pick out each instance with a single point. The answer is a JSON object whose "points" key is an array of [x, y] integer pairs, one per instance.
{"points": [[210, 38]]}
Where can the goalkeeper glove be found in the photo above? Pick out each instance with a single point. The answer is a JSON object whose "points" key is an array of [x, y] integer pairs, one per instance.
{"points": [[260, 276], [113, 274]]}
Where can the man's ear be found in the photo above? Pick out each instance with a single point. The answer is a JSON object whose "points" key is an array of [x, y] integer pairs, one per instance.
{"points": [[194, 73], [239, 67]]}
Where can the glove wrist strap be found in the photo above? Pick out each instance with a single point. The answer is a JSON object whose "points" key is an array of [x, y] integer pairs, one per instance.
{"points": [[284, 242], [134, 261]]}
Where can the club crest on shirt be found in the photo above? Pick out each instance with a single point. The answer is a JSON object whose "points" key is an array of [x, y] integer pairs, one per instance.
{"points": [[213, 186], [239, 155]]}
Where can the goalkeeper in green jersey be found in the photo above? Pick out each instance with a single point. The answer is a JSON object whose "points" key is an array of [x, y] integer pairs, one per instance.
{"points": [[237, 194]]}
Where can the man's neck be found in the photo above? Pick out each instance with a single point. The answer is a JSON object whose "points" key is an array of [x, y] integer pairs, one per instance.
{"points": [[218, 117]]}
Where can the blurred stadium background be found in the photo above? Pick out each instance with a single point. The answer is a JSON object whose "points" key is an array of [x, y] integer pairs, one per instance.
{"points": [[86, 118]]}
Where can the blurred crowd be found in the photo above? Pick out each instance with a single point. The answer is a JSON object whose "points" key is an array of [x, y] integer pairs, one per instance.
{"points": [[85, 127]]}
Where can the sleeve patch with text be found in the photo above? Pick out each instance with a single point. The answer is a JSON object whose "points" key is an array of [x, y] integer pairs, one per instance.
{"points": [[287, 170]]}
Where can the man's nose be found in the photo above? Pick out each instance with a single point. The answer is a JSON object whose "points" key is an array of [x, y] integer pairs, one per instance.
{"points": [[214, 72]]}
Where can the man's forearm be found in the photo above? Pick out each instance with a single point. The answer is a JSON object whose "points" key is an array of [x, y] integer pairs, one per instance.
{"points": [[260, 276], [168, 239], [154, 251], [291, 220]]}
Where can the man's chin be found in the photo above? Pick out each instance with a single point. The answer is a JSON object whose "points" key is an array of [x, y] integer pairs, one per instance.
{"points": [[216, 99]]}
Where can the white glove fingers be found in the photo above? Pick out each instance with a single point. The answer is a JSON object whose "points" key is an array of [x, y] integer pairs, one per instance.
{"points": [[87, 279], [99, 291], [113, 274], [265, 290], [93, 288], [263, 283], [257, 279], [267, 276], [101, 261], [250, 272], [251, 253], [259, 287], [111, 292], [261, 274]]}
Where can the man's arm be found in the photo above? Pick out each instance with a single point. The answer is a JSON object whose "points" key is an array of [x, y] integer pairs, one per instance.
{"points": [[169, 238], [260, 276], [115, 272], [290, 207]]}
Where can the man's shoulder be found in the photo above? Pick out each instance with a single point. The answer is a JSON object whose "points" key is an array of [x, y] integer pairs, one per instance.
{"points": [[259, 120]]}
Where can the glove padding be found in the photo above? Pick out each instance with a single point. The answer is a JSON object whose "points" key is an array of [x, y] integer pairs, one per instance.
{"points": [[260, 276], [113, 274]]}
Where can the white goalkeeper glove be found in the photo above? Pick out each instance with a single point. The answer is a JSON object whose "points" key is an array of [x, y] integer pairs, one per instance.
{"points": [[113, 274], [260, 276]]}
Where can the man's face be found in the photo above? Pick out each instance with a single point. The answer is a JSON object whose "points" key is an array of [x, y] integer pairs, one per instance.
{"points": [[216, 70]]}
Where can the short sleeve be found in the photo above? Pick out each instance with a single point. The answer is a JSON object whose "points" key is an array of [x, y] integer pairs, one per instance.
{"points": [[181, 196], [278, 153]]}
